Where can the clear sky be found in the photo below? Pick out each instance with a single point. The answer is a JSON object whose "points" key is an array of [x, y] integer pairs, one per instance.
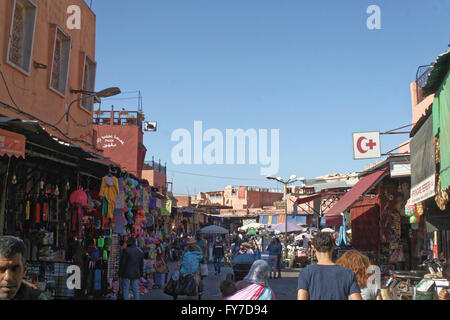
{"points": [[311, 69]]}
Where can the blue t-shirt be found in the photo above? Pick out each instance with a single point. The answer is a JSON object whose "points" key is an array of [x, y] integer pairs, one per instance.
{"points": [[273, 249], [328, 282]]}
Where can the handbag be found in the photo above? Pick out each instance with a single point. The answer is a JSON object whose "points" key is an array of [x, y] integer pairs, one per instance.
{"points": [[170, 287], [204, 269]]}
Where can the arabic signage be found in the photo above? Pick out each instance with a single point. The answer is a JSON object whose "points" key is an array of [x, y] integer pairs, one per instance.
{"points": [[423, 190], [109, 141], [12, 144], [366, 145]]}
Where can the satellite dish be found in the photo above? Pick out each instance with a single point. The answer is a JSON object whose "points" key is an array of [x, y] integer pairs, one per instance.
{"points": [[150, 126]]}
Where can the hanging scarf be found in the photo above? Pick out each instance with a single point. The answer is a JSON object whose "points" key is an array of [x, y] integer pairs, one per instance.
{"points": [[342, 236], [44, 212], [104, 207], [37, 213], [27, 211]]}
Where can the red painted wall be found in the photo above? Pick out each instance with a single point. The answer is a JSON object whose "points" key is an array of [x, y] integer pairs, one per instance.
{"points": [[121, 144]]}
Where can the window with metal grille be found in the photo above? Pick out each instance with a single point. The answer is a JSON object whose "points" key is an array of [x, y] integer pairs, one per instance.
{"points": [[22, 34], [88, 82], [60, 65]]}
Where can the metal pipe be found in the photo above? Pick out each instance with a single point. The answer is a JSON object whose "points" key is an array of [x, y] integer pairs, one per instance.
{"points": [[4, 198]]}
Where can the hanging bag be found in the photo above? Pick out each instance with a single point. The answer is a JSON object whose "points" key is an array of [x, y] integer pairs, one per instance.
{"points": [[204, 269]]}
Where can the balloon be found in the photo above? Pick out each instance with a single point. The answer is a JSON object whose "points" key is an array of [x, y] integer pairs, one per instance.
{"points": [[419, 209], [413, 219]]}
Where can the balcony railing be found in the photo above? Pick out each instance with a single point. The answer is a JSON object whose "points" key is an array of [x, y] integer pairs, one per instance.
{"points": [[421, 79], [156, 166], [118, 118]]}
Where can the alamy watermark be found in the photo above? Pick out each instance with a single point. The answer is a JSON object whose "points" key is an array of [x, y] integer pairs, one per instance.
{"points": [[74, 19], [374, 20], [221, 151], [74, 277]]}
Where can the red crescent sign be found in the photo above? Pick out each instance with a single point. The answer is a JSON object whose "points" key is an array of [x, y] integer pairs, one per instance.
{"points": [[358, 145]]}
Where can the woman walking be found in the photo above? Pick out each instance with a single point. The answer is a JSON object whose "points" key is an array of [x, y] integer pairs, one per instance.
{"points": [[360, 264]]}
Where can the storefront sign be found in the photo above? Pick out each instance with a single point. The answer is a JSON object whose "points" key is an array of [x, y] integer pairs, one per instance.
{"points": [[12, 144], [423, 191], [109, 141], [366, 145], [400, 169]]}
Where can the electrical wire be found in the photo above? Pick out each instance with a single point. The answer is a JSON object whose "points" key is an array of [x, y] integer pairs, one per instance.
{"points": [[218, 177], [19, 111], [7, 89]]}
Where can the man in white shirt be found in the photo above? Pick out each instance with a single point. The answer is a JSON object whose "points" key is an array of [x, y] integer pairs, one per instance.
{"points": [[305, 242]]}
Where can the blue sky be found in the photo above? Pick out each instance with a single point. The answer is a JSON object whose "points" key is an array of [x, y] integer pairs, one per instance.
{"points": [[311, 69]]}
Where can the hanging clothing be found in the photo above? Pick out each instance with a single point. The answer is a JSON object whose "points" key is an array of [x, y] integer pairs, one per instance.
{"points": [[120, 200], [110, 190], [152, 204]]}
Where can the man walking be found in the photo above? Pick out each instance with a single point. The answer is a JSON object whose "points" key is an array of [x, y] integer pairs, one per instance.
{"points": [[274, 250], [12, 270], [279, 255], [326, 280], [203, 244], [305, 242], [218, 253], [131, 269]]}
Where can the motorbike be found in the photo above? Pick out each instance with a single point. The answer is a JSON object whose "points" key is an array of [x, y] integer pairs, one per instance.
{"points": [[400, 284]]}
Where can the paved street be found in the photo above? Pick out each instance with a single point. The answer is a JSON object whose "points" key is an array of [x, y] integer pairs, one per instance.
{"points": [[285, 288]]}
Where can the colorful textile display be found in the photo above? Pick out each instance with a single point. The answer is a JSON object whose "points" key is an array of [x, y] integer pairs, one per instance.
{"points": [[110, 190], [253, 292]]}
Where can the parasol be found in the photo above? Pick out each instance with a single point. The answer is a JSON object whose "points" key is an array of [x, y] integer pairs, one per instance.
{"points": [[213, 229], [291, 227]]}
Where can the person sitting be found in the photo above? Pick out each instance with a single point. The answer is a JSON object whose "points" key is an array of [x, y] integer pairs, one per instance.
{"points": [[255, 285]]}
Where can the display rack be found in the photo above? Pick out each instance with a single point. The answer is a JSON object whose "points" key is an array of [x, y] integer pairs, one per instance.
{"points": [[54, 277]]}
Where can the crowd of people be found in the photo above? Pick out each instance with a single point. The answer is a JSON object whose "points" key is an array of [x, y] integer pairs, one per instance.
{"points": [[328, 279]]}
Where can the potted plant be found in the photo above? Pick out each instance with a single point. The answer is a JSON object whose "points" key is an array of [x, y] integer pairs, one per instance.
{"points": [[123, 112]]}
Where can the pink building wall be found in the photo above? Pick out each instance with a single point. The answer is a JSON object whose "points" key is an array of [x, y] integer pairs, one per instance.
{"points": [[418, 107], [31, 92]]}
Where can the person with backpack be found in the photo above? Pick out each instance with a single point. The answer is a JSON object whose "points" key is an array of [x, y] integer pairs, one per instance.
{"points": [[218, 254]]}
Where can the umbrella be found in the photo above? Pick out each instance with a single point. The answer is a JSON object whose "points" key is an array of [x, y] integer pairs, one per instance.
{"points": [[254, 225], [291, 227], [300, 236], [327, 230], [213, 229]]}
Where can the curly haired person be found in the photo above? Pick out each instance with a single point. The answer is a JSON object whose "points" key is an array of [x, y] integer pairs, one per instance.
{"points": [[360, 265]]}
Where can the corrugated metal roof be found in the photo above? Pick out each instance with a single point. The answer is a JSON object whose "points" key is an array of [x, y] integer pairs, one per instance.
{"points": [[357, 191], [33, 132]]}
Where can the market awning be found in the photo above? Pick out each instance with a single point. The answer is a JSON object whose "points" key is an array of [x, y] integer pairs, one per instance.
{"points": [[361, 187], [437, 74], [301, 200], [37, 136], [12, 144]]}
